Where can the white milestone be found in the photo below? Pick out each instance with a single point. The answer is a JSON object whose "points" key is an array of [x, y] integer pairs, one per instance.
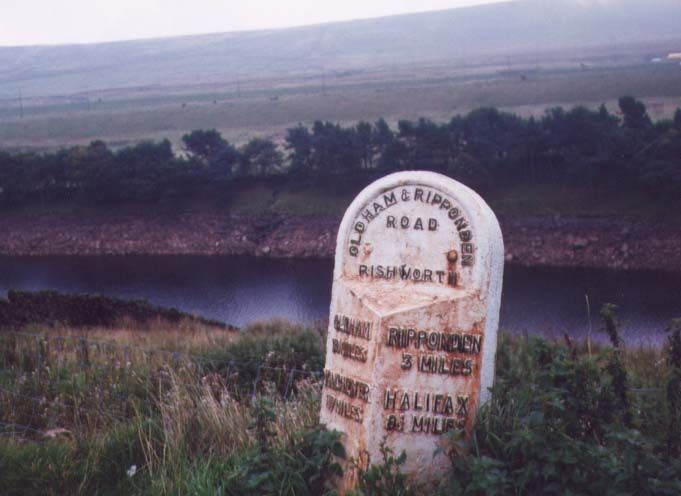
{"points": [[413, 323]]}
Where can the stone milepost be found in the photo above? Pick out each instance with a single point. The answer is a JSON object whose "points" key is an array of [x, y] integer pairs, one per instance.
{"points": [[414, 316]]}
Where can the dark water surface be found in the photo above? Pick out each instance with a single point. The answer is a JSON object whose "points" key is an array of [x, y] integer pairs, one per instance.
{"points": [[242, 290]]}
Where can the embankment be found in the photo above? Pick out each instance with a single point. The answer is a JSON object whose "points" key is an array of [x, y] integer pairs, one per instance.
{"points": [[530, 241], [22, 308]]}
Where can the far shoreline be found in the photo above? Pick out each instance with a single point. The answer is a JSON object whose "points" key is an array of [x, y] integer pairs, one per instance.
{"points": [[530, 241]]}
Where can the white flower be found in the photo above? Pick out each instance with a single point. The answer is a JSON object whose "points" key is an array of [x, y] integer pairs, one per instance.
{"points": [[132, 470]]}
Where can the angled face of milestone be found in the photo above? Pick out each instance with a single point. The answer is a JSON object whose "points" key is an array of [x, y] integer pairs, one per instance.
{"points": [[414, 315]]}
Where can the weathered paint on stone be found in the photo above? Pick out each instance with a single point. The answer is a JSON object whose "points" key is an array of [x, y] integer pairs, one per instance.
{"points": [[414, 317]]}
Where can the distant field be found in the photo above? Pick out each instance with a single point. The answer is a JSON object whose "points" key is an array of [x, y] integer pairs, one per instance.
{"points": [[269, 107], [520, 56]]}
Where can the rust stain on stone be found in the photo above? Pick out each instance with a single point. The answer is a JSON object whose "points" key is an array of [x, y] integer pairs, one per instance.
{"points": [[452, 274]]}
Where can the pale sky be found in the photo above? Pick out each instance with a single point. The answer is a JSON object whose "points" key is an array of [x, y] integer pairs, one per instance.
{"points": [[33, 22]]}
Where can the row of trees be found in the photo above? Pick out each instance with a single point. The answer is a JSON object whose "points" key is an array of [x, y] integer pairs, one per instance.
{"points": [[485, 148]]}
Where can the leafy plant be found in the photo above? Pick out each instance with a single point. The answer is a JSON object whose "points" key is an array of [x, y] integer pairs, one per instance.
{"points": [[386, 478], [555, 426]]}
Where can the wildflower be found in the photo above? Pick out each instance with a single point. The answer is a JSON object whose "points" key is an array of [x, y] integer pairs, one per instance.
{"points": [[132, 470]]}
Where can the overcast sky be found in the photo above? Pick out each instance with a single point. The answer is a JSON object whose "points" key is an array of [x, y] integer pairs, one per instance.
{"points": [[31, 22]]}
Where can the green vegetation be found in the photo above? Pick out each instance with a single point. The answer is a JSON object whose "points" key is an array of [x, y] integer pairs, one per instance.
{"points": [[487, 149], [188, 409], [117, 411], [561, 423], [265, 196]]}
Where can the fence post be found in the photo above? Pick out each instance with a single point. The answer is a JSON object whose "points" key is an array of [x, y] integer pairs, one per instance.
{"points": [[255, 383], [84, 354], [289, 383]]}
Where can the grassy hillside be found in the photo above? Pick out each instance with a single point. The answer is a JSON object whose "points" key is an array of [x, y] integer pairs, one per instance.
{"points": [[506, 28], [522, 56], [271, 110], [547, 201]]}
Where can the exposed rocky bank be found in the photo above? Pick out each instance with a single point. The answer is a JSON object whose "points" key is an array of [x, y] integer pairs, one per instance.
{"points": [[539, 241]]}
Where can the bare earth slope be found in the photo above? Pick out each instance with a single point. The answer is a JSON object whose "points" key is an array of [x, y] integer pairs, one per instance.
{"points": [[530, 241]]}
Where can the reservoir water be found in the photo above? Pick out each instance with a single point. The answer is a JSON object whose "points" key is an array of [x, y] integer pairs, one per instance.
{"points": [[242, 290]]}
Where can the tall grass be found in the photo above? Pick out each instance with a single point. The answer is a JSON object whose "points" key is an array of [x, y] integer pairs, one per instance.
{"points": [[193, 410], [145, 410]]}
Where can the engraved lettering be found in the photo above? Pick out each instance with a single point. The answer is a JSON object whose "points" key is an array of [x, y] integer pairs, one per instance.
{"points": [[353, 327], [349, 350], [389, 199], [429, 197], [389, 399], [344, 408], [462, 406], [401, 337], [349, 387], [367, 215]]}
